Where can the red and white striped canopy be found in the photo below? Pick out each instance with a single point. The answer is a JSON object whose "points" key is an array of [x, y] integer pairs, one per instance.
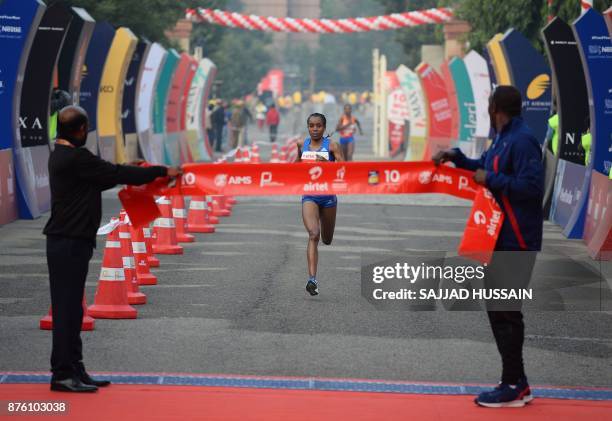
{"points": [[322, 26]]}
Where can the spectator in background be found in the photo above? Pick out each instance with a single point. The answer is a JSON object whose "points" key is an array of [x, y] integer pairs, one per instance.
{"points": [[217, 118], [238, 120], [273, 120], [209, 126], [260, 115]]}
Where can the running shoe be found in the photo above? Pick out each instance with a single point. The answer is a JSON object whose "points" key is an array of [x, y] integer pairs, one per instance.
{"points": [[312, 287], [506, 396]]}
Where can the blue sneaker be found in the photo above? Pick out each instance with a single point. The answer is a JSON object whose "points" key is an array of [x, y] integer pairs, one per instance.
{"points": [[312, 287], [506, 396]]}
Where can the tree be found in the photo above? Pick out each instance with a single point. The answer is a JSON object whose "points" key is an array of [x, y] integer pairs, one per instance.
{"points": [[242, 60], [412, 39], [489, 17], [146, 18]]}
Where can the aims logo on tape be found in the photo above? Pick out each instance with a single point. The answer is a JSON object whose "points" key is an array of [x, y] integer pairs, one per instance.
{"points": [[222, 180], [426, 177]]}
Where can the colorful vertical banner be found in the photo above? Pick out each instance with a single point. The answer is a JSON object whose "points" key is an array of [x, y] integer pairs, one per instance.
{"points": [[8, 200], [18, 26], [417, 120], [498, 61], [570, 88], [186, 154], [595, 49], [480, 81], [572, 111], [173, 110], [445, 72], [466, 105], [99, 46], [439, 112], [530, 74], [32, 149], [110, 131], [151, 147], [72, 57], [160, 108], [128, 107], [598, 225], [397, 116], [210, 70]]}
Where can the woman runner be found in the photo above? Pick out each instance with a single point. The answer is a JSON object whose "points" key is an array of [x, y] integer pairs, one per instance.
{"points": [[318, 212], [347, 126]]}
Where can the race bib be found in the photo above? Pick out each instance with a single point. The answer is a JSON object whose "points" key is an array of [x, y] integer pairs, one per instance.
{"points": [[312, 155]]}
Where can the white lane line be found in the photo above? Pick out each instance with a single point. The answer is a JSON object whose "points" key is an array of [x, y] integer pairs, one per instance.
{"points": [[225, 253], [199, 269], [569, 338]]}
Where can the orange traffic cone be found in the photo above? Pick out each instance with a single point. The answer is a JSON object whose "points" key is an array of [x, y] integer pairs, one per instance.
{"points": [[274, 156], [219, 208], [238, 155], [88, 323], [180, 219], [230, 200], [212, 218], [255, 154], [283, 154], [111, 301], [164, 231], [129, 266], [141, 258], [148, 235], [197, 218]]}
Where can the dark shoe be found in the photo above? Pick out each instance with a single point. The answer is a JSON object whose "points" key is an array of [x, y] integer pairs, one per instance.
{"points": [[506, 396], [86, 378], [312, 288], [72, 384]]}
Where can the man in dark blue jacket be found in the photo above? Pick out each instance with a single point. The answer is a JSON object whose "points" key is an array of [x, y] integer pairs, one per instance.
{"points": [[512, 170]]}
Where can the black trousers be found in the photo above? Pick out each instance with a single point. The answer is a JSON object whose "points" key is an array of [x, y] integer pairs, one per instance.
{"points": [[509, 269], [273, 133], [68, 262], [218, 137]]}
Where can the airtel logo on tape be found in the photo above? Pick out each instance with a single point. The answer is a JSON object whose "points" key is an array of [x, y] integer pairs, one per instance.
{"points": [[189, 179], [315, 173], [480, 218]]}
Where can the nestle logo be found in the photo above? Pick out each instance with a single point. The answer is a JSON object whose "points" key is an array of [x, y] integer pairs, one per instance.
{"points": [[11, 29], [594, 49]]}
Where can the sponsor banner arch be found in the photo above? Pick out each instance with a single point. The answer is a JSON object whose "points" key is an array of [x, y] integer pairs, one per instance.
{"points": [[572, 110], [99, 46], [595, 50], [32, 147], [161, 102], [210, 70], [466, 106], [173, 111], [530, 74], [151, 147], [110, 131], [186, 153], [19, 21], [411, 85], [72, 57], [439, 112], [128, 107]]}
